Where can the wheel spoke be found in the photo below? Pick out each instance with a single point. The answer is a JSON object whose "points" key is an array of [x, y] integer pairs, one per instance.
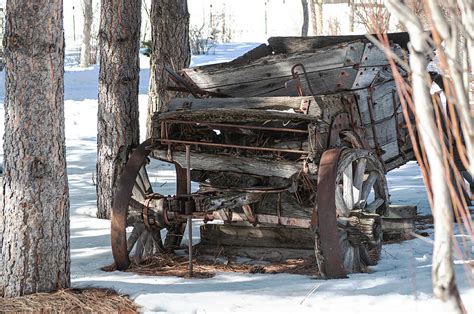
{"points": [[149, 244], [138, 193], [156, 235], [134, 236], [146, 180], [372, 207], [367, 187], [140, 246], [142, 182], [135, 206], [347, 184], [359, 179], [340, 204]]}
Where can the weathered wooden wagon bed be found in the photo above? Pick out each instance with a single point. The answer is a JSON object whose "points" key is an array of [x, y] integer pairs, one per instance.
{"points": [[295, 134]]}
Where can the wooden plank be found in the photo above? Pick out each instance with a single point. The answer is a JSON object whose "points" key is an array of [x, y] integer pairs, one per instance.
{"points": [[397, 229], [386, 131], [286, 204], [322, 82], [256, 253], [275, 66], [398, 161], [391, 151], [217, 162], [261, 103], [300, 44], [219, 115], [258, 52], [273, 237], [382, 100], [372, 207], [359, 179], [373, 56], [347, 185], [400, 212]]}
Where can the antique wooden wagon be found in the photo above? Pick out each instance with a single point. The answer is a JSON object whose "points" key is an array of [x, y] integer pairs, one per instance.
{"points": [[296, 134]]}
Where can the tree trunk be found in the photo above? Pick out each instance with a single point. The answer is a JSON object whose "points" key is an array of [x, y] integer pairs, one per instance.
{"points": [[170, 46], [35, 246], [443, 276], [118, 130], [314, 23], [351, 15], [86, 34], [316, 9], [304, 28]]}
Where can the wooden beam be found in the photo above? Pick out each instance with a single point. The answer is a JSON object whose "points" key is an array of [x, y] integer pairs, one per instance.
{"points": [[217, 162], [300, 44], [262, 103]]}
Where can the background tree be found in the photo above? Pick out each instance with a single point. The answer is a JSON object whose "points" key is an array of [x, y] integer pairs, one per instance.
{"points": [[374, 15], [304, 28], [316, 11], [35, 209], [351, 4], [170, 46], [86, 55], [118, 129]]}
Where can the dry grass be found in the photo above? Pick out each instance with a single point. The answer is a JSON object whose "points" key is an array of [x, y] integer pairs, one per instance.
{"points": [[91, 300], [172, 265]]}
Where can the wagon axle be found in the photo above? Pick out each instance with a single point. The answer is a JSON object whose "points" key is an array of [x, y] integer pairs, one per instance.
{"points": [[159, 211]]}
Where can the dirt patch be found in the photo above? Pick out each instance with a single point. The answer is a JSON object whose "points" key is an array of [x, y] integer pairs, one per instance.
{"points": [[207, 267], [91, 300]]}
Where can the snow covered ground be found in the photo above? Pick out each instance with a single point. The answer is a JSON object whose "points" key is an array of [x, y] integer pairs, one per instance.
{"points": [[401, 282]]}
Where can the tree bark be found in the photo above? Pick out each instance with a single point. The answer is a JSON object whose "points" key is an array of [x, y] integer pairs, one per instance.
{"points": [[304, 28], [118, 129], [35, 211], [86, 34], [170, 46]]}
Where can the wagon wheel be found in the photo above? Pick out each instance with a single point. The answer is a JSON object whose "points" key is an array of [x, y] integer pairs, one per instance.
{"points": [[360, 194], [134, 190]]}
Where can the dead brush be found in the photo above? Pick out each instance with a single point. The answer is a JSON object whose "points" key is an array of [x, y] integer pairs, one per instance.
{"points": [[89, 300], [207, 267]]}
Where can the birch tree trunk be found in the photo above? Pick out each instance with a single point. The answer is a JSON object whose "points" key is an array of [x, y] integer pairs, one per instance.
{"points": [[170, 46], [351, 5], [35, 209], [312, 13], [86, 33], [304, 28], [444, 282], [316, 11], [118, 129]]}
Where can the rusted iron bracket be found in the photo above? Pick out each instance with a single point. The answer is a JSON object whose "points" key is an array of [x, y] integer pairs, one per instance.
{"points": [[323, 220]]}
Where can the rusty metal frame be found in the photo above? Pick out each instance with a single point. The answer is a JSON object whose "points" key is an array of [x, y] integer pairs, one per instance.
{"points": [[165, 125], [267, 149], [237, 126]]}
